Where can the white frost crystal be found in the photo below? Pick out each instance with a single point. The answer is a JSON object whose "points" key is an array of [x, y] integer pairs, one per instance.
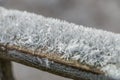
{"points": [[90, 46]]}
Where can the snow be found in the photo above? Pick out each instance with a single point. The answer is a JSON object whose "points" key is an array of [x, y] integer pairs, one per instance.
{"points": [[89, 46]]}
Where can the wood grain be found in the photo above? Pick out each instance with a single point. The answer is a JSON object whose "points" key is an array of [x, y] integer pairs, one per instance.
{"points": [[52, 63]]}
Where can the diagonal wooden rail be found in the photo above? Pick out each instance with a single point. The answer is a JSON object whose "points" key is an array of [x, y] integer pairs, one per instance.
{"points": [[26, 38], [47, 62]]}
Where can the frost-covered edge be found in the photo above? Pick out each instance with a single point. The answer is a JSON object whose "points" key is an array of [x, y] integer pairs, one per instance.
{"points": [[89, 46]]}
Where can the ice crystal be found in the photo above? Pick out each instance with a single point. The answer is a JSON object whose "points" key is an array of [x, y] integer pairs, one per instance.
{"points": [[90, 46]]}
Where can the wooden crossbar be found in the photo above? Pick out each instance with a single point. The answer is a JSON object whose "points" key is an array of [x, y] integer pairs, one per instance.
{"points": [[52, 45]]}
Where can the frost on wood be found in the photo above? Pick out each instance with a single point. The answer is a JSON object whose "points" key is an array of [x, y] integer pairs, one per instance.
{"points": [[89, 46]]}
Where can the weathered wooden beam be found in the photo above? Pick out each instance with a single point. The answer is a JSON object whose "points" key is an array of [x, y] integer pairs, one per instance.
{"points": [[6, 72], [43, 62], [59, 47]]}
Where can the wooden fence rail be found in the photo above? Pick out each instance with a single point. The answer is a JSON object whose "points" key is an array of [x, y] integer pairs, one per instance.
{"points": [[62, 68], [50, 45]]}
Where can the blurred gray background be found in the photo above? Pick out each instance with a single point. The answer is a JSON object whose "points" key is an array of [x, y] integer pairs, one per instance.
{"points": [[101, 14]]}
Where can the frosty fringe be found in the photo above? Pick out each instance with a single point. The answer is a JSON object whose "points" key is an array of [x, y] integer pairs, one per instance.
{"points": [[90, 46]]}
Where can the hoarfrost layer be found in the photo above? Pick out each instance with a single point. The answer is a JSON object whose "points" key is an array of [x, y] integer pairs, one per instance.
{"points": [[97, 48]]}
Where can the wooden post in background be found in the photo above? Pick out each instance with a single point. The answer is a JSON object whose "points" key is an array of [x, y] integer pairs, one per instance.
{"points": [[6, 70]]}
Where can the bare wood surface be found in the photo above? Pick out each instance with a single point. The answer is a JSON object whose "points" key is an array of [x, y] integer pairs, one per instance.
{"points": [[6, 70], [51, 63]]}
